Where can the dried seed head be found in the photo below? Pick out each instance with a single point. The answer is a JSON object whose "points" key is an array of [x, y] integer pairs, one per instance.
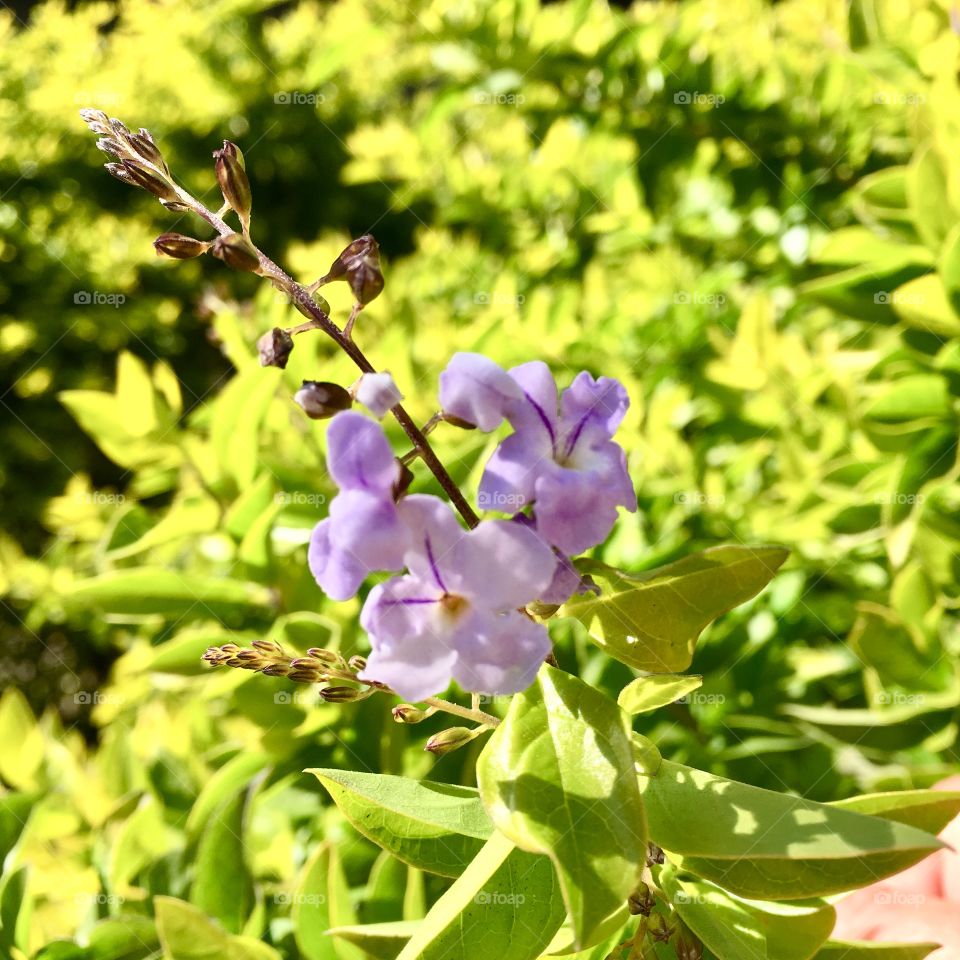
{"points": [[232, 177], [179, 246], [274, 348], [320, 400], [236, 251], [641, 901]]}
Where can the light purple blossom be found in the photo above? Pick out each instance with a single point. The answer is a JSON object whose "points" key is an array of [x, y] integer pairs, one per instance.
{"points": [[560, 460], [455, 614], [363, 531], [378, 393]]}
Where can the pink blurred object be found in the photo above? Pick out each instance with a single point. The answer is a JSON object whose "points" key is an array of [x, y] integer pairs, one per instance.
{"points": [[921, 904]]}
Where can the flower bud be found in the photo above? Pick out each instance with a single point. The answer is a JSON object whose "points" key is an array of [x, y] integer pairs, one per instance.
{"points": [[659, 929], [359, 265], [453, 738], [232, 177], [687, 946], [143, 144], [274, 348], [320, 301], [377, 392], [405, 713], [329, 657], [236, 251], [179, 246], [142, 175], [96, 120], [641, 902], [320, 400], [341, 694]]}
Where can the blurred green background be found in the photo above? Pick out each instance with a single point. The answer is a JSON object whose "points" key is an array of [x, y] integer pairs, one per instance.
{"points": [[746, 211]]}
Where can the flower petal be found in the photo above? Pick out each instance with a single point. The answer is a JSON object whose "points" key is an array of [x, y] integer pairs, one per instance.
{"points": [[358, 454], [400, 608], [537, 411], [603, 401], [509, 479], [504, 565], [338, 574], [378, 393], [368, 526], [477, 390], [415, 669], [573, 512], [434, 532], [499, 654]]}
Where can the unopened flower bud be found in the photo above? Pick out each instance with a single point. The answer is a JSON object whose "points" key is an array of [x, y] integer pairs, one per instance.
{"points": [[458, 422], [179, 246], [377, 392], [274, 348], [144, 145], [359, 265], [236, 251], [659, 929], [329, 657], [142, 175], [405, 713], [641, 902], [453, 738], [96, 120], [340, 694], [320, 400], [321, 301], [357, 663], [232, 177]]}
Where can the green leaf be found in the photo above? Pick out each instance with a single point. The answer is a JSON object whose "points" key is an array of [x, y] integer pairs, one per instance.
{"points": [[186, 933], [143, 838], [772, 846], [923, 304], [235, 774], [849, 950], [505, 900], [23, 746], [928, 197], [123, 938], [556, 779], [436, 827], [652, 621], [646, 694], [735, 929], [222, 887], [158, 590], [914, 397], [322, 901], [929, 810], [380, 940], [16, 907]]}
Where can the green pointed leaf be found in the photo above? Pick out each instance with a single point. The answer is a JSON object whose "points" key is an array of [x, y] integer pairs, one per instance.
{"points": [[23, 746], [652, 621], [130, 937], [157, 590], [928, 810], [437, 827], [235, 774], [851, 950], [929, 198], [186, 933], [322, 901], [380, 940], [504, 897], [646, 694], [555, 778], [736, 929], [923, 304], [772, 846]]}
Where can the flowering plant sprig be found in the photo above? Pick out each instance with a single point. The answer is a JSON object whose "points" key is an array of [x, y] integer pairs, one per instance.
{"points": [[620, 848]]}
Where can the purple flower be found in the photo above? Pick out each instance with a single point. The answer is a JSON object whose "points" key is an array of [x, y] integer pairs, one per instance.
{"points": [[560, 459], [378, 393], [455, 614], [363, 531]]}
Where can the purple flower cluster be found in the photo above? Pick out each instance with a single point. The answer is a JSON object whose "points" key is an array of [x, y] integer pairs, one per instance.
{"points": [[457, 612]]}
